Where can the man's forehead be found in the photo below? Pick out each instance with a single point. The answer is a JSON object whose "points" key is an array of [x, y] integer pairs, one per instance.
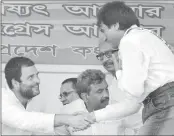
{"points": [[66, 87], [101, 85], [28, 70]]}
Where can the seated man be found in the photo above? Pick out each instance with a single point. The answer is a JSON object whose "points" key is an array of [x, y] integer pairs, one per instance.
{"points": [[70, 98], [93, 90], [71, 102]]}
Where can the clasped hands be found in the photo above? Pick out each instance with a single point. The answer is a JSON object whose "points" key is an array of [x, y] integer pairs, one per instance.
{"points": [[81, 121]]}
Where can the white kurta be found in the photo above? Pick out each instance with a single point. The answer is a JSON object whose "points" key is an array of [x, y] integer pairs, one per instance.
{"points": [[16, 120], [112, 127]]}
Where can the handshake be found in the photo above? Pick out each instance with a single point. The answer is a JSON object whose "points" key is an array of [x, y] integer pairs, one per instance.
{"points": [[77, 121], [80, 121]]}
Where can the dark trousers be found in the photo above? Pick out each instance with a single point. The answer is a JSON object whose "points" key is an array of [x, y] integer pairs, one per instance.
{"points": [[158, 112]]}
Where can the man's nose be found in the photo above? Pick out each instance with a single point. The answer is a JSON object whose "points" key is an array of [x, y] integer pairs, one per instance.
{"points": [[37, 80], [62, 99], [106, 93]]}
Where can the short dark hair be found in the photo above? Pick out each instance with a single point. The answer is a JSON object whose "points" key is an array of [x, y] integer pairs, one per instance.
{"points": [[13, 69], [71, 80], [88, 78], [117, 12]]}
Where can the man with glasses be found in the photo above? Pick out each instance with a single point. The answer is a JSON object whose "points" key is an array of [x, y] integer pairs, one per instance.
{"points": [[69, 97], [105, 56], [106, 51], [147, 75], [71, 101], [93, 90], [68, 91]]}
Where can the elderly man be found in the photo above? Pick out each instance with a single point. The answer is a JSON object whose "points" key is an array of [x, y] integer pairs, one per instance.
{"points": [[71, 102], [68, 92], [106, 51]]}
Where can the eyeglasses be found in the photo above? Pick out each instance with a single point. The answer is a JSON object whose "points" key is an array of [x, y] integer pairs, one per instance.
{"points": [[108, 54], [65, 94]]}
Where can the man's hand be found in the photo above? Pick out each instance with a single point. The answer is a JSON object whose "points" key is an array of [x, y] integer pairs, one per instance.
{"points": [[80, 121], [79, 113], [63, 130], [89, 116]]}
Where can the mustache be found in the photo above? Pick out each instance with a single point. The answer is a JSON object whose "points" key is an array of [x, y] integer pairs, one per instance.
{"points": [[107, 63], [37, 84], [104, 99]]}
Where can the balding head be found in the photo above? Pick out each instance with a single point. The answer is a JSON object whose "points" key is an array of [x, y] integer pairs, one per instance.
{"points": [[106, 49]]}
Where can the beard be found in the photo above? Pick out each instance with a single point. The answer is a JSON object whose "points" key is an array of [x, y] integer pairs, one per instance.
{"points": [[29, 92]]}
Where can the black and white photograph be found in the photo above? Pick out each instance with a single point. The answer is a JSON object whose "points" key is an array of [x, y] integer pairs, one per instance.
{"points": [[87, 67]]}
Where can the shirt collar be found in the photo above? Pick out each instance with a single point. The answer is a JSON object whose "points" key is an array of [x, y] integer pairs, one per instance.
{"points": [[129, 29], [12, 96]]}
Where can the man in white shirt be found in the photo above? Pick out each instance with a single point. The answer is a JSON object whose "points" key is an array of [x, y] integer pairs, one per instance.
{"points": [[70, 98], [115, 94], [68, 92], [93, 90], [23, 84], [71, 102], [147, 74]]}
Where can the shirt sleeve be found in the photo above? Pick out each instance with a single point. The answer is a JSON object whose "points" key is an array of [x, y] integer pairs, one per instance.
{"points": [[133, 75], [134, 121], [118, 110], [17, 117]]}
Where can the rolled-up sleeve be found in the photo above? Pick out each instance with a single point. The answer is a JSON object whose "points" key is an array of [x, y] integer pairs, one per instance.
{"points": [[17, 117]]}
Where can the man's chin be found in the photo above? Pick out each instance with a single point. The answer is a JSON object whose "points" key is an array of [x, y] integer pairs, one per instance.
{"points": [[65, 104], [36, 92], [105, 103]]}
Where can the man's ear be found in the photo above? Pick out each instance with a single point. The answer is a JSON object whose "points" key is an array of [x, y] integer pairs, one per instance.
{"points": [[84, 97], [15, 83]]}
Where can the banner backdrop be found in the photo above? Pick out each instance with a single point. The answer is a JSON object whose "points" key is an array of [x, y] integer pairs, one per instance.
{"points": [[65, 32]]}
